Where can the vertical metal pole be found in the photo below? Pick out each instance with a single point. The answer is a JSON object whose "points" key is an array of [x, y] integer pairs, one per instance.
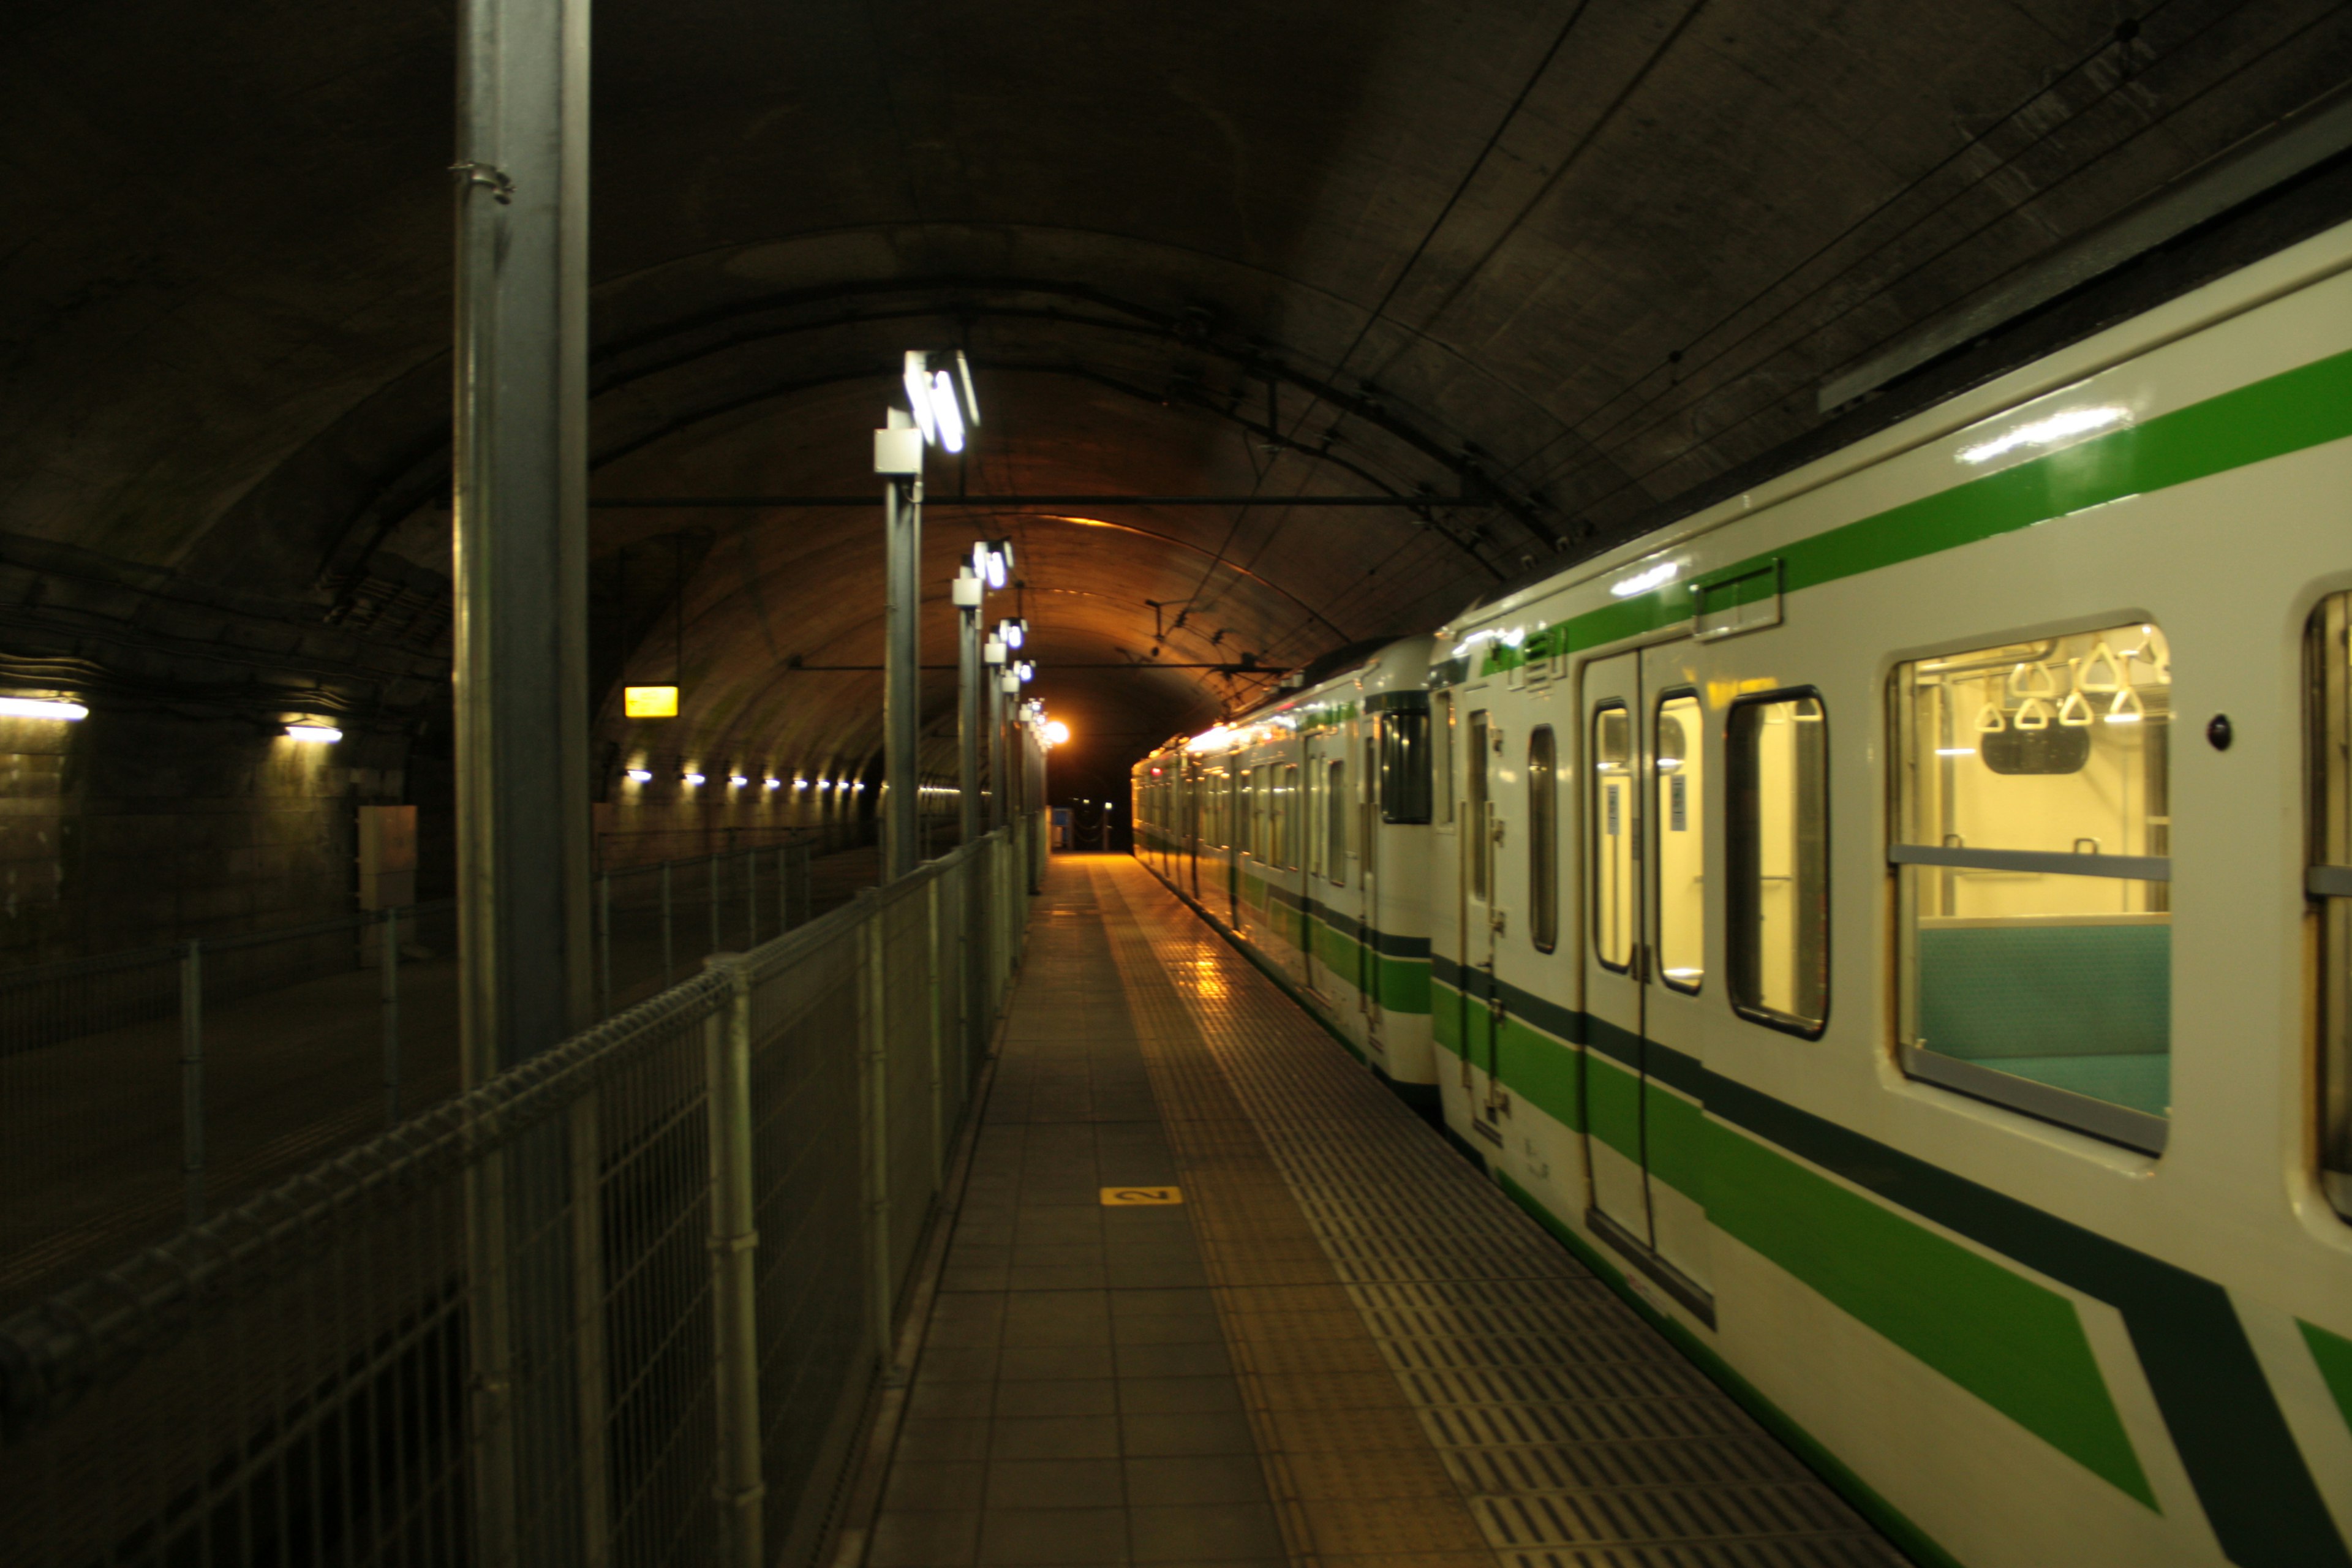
{"points": [[388, 961], [717, 943], [669, 959], [733, 1272], [192, 1077], [902, 692], [784, 889], [588, 1294], [873, 1060], [969, 675], [520, 668], [933, 972], [604, 945], [751, 858], [998, 785]]}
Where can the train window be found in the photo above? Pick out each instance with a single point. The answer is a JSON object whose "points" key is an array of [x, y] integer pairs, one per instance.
{"points": [[1441, 758], [1404, 766], [1286, 818], [1680, 815], [1336, 800], [2032, 856], [2330, 883], [1245, 828], [1613, 835], [1476, 847], [1543, 840], [1779, 843]]}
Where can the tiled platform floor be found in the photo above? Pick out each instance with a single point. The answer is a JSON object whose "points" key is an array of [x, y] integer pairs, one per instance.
{"points": [[1273, 1371]]}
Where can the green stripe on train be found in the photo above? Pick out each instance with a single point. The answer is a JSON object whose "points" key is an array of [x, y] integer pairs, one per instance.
{"points": [[2334, 1354], [2285, 413], [2017, 1345], [1402, 984]]}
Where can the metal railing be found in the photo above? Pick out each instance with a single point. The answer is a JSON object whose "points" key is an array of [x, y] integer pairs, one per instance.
{"points": [[622, 1306], [143, 1090]]}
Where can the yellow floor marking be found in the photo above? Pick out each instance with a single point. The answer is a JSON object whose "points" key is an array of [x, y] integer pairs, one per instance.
{"points": [[1118, 1197]]}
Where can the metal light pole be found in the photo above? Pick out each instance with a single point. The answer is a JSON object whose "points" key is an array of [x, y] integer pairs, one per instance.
{"points": [[902, 651], [992, 657], [969, 591], [521, 474]]}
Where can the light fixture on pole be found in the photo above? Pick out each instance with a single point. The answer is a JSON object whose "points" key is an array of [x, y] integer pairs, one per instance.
{"points": [[992, 560], [968, 591], [940, 408]]}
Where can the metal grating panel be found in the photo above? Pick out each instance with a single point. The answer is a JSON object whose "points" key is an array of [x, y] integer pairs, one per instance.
{"points": [[1578, 1436]]}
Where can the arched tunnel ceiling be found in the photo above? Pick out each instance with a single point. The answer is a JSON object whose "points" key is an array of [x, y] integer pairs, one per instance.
{"points": [[1564, 261]]}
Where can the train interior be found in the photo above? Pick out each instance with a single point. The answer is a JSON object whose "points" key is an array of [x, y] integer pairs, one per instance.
{"points": [[2056, 747]]}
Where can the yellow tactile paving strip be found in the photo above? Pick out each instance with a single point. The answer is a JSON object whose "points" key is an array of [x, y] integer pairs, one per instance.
{"points": [[1431, 1379]]}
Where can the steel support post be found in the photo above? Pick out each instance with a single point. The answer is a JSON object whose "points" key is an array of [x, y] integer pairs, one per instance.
{"points": [[969, 675], [520, 673], [997, 781], [192, 1078], [388, 960], [874, 1083], [734, 1271], [902, 679]]}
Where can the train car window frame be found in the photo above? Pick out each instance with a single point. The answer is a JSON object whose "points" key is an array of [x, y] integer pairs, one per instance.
{"points": [[1406, 778], [1690, 816], [2328, 881], [1615, 904], [2029, 844], [1745, 914], [1441, 759], [1335, 800], [1478, 846], [1543, 838]]}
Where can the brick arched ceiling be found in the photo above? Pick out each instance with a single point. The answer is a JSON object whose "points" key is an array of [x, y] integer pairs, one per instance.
{"points": [[1532, 269]]}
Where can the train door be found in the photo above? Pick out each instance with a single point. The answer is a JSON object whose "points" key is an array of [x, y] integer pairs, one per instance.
{"points": [[1481, 819], [1644, 779]]}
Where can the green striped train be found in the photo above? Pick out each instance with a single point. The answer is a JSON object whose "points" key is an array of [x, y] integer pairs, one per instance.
{"points": [[1897, 924]]}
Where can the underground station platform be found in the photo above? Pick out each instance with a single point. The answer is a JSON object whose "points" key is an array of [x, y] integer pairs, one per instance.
{"points": [[1212, 1294]]}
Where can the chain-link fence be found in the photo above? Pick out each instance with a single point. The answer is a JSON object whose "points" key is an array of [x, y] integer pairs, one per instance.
{"points": [[623, 1305], [142, 1090]]}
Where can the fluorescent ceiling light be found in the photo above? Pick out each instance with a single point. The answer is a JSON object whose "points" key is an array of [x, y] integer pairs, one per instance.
{"points": [[314, 734], [641, 775], [41, 707], [693, 778], [775, 784], [2059, 426], [737, 780]]}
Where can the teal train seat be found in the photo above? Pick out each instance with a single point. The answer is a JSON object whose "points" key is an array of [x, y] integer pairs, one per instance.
{"points": [[2078, 1002]]}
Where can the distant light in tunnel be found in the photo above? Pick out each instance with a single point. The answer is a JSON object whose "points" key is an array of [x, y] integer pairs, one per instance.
{"points": [[775, 784], [693, 778], [1012, 633], [737, 780], [649, 701], [1057, 732], [314, 734], [1026, 670], [799, 783], [641, 775], [41, 707]]}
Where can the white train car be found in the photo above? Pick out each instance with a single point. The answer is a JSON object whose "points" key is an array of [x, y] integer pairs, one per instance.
{"points": [[1897, 924], [1302, 831]]}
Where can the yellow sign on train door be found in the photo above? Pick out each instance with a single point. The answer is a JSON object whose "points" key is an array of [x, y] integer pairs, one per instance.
{"points": [[1119, 1197]]}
